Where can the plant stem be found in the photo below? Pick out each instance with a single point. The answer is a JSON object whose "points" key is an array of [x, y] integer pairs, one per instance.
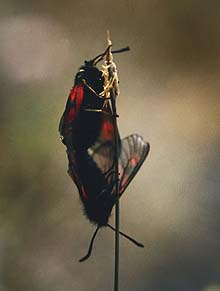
{"points": [[113, 94], [117, 208]]}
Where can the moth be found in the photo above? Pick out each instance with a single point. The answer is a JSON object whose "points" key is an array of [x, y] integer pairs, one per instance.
{"points": [[86, 129]]}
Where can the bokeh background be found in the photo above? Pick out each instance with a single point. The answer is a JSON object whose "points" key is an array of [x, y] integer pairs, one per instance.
{"points": [[170, 83]]}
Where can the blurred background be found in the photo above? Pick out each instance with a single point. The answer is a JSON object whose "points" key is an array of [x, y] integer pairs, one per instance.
{"points": [[169, 82]]}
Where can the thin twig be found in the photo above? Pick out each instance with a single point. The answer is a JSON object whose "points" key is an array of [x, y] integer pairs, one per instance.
{"points": [[114, 121]]}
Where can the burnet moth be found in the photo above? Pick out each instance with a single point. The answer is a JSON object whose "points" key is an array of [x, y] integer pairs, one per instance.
{"points": [[86, 129]]}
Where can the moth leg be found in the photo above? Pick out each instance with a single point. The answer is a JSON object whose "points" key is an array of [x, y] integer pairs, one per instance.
{"points": [[128, 237], [90, 246]]}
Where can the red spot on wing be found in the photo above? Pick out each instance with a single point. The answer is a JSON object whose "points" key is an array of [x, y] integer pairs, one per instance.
{"points": [[134, 160], [73, 93], [70, 115], [75, 97], [83, 193], [77, 94], [107, 130]]}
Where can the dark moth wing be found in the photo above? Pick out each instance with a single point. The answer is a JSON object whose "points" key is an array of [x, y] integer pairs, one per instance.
{"points": [[87, 131]]}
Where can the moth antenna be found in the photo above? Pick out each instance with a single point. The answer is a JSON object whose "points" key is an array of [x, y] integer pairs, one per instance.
{"points": [[100, 57], [124, 49], [128, 237], [90, 246]]}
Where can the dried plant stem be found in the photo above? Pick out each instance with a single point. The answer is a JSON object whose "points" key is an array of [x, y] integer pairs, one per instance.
{"points": [[117, 208], [113, 92]]}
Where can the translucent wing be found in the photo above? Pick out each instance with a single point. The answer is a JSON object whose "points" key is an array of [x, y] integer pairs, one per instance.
{"points": [[134, 151]]}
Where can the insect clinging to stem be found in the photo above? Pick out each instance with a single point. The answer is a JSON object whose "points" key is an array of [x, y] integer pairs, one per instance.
{"points": [[86, 129]]}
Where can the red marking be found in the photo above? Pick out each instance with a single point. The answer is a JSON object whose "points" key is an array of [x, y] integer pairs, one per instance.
{"points": [[134, 161], [83, 192], [123, 184], [124, 180], [72, 93], [76, 96], [70, 115], [79, 96], [76, 93], [107, 130]]}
